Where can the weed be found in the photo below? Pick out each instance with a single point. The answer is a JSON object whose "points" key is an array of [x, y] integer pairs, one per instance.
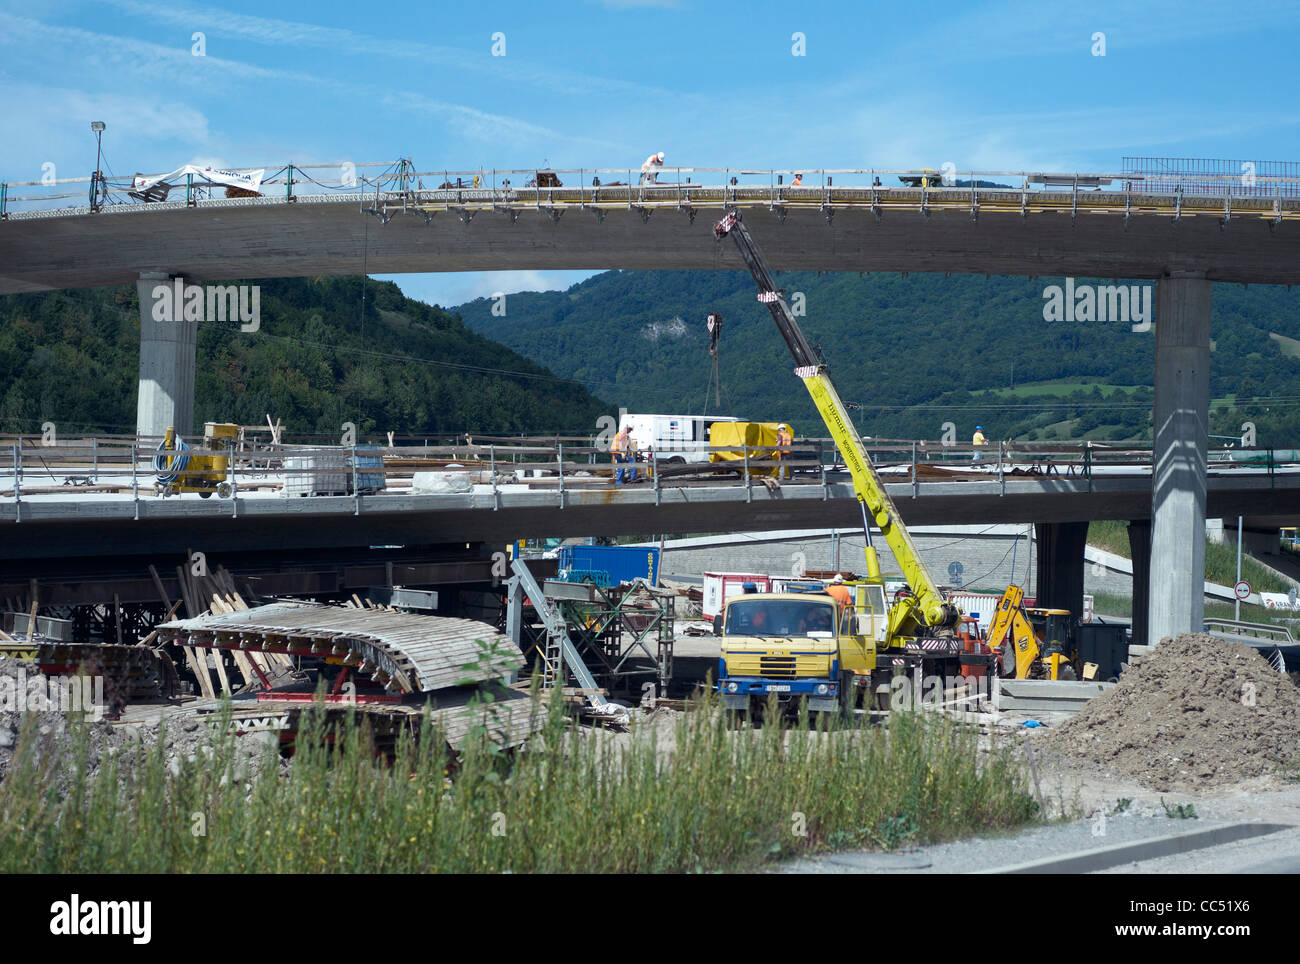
{"points": [[1180, 811]]}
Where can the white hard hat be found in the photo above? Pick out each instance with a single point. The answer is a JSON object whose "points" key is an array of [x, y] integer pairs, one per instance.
{"points": [[660, 155], [838, 578], [784, 426]]}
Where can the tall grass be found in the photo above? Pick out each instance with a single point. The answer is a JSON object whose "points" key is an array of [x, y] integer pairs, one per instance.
{"points": [[718, 798]]}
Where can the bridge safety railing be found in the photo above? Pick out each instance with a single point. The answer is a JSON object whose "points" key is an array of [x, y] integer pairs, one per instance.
{"points": [[39, 468], [385, 185]]}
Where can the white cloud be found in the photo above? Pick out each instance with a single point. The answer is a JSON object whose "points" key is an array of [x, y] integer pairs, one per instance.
{"points": [[225, 23], [55, 126]]}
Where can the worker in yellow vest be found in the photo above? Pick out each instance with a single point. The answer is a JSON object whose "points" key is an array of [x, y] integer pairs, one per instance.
{"points": [[978, 441], [624, 451]]}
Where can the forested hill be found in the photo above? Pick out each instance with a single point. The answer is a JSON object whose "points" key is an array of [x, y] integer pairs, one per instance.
{"points": [[72, 357], [912, 351]]}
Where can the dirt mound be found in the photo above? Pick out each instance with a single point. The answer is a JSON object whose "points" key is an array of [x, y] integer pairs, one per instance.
{"points": [[1197, 712]]}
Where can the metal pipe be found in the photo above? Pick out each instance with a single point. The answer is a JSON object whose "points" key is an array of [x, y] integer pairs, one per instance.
{"points": [[1236, 613]]}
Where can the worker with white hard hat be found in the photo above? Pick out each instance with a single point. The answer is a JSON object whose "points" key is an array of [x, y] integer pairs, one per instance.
{"points": [[784, 438], [839, 592], [650, 169]]}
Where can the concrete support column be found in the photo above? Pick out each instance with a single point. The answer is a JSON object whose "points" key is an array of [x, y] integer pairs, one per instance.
{"points": [[515, 611], [1060, 565], [1182, 409], [1139, 543], [167, 353]]}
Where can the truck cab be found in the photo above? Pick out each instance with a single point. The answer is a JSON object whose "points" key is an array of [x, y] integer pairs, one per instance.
{"points": [[800, 646]]}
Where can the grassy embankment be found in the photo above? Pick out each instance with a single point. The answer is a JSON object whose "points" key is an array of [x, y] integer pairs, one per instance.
{"points": [[1220, 567], [721, 800]]}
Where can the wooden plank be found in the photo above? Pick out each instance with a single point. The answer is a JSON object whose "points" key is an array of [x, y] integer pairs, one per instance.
{"points": [[245, 667], [157, 581], [200, 671], [191, 611], [219, 663], [154, 635]]}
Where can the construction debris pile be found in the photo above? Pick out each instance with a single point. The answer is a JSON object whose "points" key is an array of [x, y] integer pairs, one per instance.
{"points": [[1197, 712], [56, 706]]}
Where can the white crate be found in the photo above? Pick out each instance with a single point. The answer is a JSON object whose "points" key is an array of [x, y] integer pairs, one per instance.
{"points": [[317, 473]]}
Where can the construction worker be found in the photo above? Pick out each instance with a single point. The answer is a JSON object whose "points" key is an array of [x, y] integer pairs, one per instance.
{"points": [[839, 592], [798, 181], [651, 168], [622, 449], [784, 438], [978, 441]]}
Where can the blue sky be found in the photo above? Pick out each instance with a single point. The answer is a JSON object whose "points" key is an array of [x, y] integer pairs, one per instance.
{"points": [[602, 83]]}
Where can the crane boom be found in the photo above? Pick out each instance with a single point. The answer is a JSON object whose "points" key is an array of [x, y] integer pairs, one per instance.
{"points": [[927, 609]]}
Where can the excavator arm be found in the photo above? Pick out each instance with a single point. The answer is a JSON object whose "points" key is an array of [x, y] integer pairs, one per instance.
{"points": [[927, 607]]}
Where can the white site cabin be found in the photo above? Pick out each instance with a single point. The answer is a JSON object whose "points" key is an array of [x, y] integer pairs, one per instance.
{"points": [[673, 438]]}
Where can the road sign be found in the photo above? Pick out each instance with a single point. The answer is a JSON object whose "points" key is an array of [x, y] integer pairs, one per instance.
{"points": [[1242, 590]]}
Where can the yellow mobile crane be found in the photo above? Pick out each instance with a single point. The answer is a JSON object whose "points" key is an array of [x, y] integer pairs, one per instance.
{"points": [[923, 623]]}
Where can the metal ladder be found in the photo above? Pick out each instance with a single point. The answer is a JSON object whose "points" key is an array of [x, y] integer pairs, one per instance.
{"points": [[558, 643]]}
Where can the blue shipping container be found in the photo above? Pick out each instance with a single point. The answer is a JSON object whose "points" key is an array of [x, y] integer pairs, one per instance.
{"points": [[623, 563]]}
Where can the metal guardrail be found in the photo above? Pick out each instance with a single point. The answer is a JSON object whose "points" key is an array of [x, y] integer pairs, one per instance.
{"points": [[399, 185], [118, 465], [1270, 631]]}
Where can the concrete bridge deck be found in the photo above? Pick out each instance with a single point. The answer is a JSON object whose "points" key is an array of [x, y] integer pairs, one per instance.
{"points": [[1081, 233], [51, 526]]}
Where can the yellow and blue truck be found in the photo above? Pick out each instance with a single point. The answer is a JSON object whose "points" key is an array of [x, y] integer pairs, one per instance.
{"points": [[801, 646]]}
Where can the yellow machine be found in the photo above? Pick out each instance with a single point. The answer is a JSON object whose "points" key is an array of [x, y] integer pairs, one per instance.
{"points": [[1036, 641], [919, 629], [800, 646], [203, 470], [926, 612]]}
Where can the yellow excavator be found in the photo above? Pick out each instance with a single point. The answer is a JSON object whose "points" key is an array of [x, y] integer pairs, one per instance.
{"points": [[1034, 643]]}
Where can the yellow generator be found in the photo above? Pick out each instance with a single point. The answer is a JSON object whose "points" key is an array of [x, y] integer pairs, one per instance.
{"points": [[202, 470]]}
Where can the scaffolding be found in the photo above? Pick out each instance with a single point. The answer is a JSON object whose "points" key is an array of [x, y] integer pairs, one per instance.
{"points": [[620, 632]]}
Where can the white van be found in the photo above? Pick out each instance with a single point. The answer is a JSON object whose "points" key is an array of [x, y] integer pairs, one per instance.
{"points": [[673, 438]]}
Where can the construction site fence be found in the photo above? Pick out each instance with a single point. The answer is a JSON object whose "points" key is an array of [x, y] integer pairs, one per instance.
{"points": [[401, 180]]}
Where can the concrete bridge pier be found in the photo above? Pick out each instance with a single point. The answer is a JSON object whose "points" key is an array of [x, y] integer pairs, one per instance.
{"points": [[1139, 544], [1059, 575], [167, 354], [1182, 410]]}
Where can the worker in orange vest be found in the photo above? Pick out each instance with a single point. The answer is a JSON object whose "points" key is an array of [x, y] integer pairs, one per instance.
{"points": [[784, 438], [840, 592], [798, 181]]}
